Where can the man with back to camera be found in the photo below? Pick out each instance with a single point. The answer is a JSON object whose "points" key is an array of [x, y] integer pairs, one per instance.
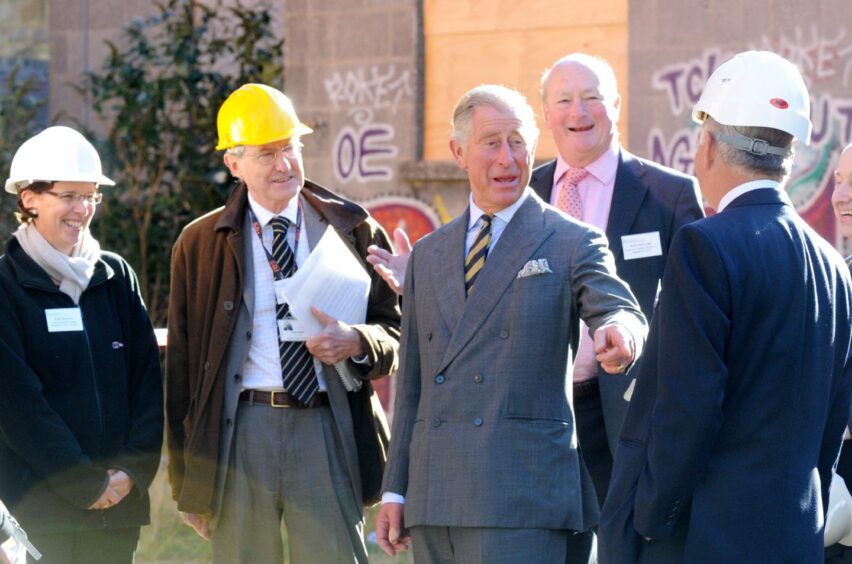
{"points": [[743, 394], [483, 465]]}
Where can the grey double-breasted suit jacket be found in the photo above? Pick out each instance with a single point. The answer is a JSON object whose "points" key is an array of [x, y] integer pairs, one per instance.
{"points": [[483, 431]]}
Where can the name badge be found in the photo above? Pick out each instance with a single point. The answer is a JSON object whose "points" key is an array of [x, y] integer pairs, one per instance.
{"points": [[64, 319], [289, 329], [641, 245]]}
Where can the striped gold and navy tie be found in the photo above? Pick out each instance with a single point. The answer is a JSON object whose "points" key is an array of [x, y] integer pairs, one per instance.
{"points": [[476, 256], [297, 364]]}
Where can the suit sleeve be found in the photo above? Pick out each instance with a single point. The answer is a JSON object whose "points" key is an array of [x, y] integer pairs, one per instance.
{"points": [[407, 397], [602, 297], [693, 322]]}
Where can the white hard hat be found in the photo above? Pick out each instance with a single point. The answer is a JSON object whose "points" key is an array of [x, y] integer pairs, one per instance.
{"points": [[58, 153], [757, 89], [838, 519]]}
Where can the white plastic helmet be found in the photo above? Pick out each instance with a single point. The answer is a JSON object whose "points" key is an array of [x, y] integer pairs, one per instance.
{"points": [[58, 153], [838, 519], [757, 89]]}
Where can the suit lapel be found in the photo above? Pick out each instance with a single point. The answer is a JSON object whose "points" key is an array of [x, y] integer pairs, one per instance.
{"points": [[542, 180], [447, 269], [627, 196], [522, 236]]}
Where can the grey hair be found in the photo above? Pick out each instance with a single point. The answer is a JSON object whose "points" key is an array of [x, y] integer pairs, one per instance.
{"points": [[500, 98], [775, 167], [236, 151], [599, 66]]}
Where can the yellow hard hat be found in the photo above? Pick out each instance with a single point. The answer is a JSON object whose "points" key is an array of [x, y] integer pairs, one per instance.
{"points": [[256, 114]]}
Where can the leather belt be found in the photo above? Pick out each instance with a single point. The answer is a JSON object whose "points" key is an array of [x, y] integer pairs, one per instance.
{"points": [[586, 388], [282, 399]]}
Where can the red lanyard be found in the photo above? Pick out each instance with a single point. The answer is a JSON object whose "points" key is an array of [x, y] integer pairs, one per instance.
{"points": [[273, 264]]}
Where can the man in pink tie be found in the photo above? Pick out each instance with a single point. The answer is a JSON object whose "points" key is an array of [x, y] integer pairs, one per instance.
{"points": [[639, 205]]}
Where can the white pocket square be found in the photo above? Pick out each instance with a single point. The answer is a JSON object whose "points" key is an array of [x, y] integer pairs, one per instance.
{"points": [[534, 267]]}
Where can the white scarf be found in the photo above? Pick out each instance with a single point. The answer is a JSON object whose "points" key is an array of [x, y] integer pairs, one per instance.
{"points": [[71, 273]]}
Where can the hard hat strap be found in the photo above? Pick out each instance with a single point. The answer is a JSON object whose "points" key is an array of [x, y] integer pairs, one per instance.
{"points": [[752, 145]]}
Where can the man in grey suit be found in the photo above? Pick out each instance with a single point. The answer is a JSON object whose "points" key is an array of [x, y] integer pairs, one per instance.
{"points": [[637, 203], [483, 465]]}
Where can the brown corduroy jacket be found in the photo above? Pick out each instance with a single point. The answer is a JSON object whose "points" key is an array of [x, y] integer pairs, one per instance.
{"points": [[205, 300]]}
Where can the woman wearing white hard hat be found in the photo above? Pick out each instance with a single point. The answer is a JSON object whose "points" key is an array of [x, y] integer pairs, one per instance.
{"points": [[81, 410]]}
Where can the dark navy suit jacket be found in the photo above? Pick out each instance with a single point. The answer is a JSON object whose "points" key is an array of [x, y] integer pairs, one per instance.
{"points": [[742, 395], [646, 198]]}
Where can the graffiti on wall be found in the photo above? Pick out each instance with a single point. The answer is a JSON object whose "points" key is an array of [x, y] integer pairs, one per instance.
{"points": [[826, 63], [363, 149]]}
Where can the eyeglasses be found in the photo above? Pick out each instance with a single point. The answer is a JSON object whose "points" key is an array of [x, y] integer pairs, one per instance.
{"points": [[74, 198], [271, 156]]}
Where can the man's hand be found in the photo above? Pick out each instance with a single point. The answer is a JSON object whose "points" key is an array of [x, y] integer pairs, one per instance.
{"points": [[391, 533], [120, 482], [336, 342], [391, 267], [119, 486], [615, 348], [201, 523]]}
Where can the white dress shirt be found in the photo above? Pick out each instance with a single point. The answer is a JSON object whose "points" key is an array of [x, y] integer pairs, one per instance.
{"points": [[262, 370]]}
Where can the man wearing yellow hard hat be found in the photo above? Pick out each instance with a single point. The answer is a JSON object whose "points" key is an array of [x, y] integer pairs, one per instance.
{"points": [[261, 428]]}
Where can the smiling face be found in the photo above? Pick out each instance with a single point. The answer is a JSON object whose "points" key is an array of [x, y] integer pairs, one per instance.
{"points": [[60, 221], [581, 112], [496, 156], [841, 198], [273, 173]]}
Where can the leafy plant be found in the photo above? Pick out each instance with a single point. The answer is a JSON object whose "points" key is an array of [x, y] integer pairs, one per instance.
{"points": [[19, 112], [159, 94]]}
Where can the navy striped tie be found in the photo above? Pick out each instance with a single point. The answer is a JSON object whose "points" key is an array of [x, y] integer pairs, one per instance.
{"points": [[297, 364], [476, 255]]}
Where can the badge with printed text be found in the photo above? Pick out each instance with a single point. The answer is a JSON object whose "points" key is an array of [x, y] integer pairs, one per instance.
{"points": [[642, 245], [289, 329], [64, 319]]}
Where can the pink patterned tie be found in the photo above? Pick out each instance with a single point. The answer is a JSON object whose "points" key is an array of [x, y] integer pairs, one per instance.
{"points": [[569, 199]]}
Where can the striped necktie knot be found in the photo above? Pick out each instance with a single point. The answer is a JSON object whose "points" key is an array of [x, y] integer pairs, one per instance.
{"points": [[477, 254]]}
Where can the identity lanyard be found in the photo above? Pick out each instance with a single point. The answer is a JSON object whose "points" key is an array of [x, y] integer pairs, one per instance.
{"points": [[273, 264]]}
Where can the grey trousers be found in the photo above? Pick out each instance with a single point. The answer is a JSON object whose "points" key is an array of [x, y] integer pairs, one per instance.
{"points": [[477, 545], [287, 468]]}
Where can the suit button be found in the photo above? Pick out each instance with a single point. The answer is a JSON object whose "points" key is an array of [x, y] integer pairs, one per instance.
{"points": [[504, 334], [237, 377], [428, 336], [478, 378], [478, 421], [248, 335], [228, 305], [436, 422], [228, 421], [439, 379]]}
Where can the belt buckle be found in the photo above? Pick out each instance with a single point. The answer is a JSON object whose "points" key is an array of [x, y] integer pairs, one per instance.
{"points": [[279, 405]]}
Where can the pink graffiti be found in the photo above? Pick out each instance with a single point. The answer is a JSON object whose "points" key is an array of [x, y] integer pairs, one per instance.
{"points": [[819, 58], [684, 82]]}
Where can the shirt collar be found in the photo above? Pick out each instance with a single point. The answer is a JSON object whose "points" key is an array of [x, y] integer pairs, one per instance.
{"points": [[505, 215], [603, 168], [264, 216], [748, 187]]}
